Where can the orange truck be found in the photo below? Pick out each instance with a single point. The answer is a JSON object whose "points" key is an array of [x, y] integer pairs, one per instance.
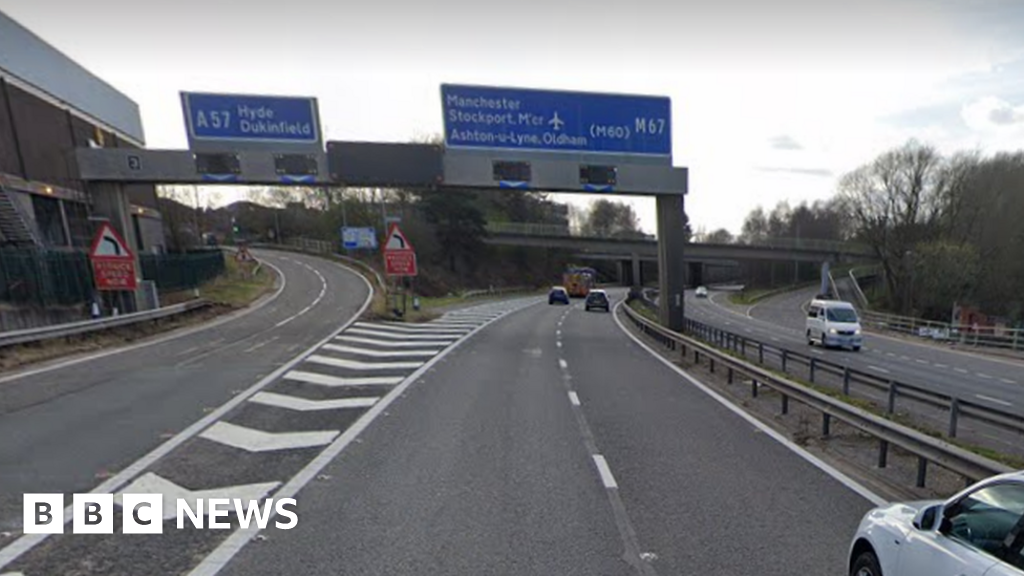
{"points": [[578, 281]]}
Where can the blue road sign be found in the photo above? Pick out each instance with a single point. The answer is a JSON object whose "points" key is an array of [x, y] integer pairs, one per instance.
{"points": [[355, 238], [225, 118], [522, 119]]}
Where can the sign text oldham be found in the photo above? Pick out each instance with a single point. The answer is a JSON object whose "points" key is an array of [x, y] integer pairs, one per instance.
{"points": [[522, 119]]}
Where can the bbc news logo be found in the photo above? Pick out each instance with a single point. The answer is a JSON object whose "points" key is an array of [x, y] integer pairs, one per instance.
{"points": [[144, 513]]}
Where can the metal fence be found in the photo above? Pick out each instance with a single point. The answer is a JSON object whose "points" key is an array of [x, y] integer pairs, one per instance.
{"points": [[182, 271], [982, 336], [52, 278], [44, 278], [736, 363]]}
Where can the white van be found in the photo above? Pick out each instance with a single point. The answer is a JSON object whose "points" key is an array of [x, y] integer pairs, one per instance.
{"points": [[833, 323]]}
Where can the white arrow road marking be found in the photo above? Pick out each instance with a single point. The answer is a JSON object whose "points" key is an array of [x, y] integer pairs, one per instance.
{"points": [[406, 330], [306, 405], [396, 335], [355, 365], [393, 344], [150, 483], [334, 381], [252, 440], [380, 353]]}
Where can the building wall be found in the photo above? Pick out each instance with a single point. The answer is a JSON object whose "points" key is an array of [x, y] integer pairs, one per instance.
{"points": [[25, 56]]}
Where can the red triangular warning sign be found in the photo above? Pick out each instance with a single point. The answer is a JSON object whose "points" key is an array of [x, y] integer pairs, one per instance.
{"points": [[109, 244], [397, 242]]}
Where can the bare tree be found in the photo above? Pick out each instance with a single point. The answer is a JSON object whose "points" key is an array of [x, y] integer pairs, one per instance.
{"points": [[896, 202]]}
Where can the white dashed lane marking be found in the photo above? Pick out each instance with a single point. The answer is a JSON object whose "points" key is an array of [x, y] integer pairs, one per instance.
{"points": [[993, 400], [877, 369], [606, 473], [574, 399]]}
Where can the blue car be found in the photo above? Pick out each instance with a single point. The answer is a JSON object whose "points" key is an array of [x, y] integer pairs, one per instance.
{"points": [[558, 294]]}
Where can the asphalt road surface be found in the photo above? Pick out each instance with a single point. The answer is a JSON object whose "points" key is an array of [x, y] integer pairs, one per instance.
{"points": [[551, 443], [69, 428], [781, 320]]}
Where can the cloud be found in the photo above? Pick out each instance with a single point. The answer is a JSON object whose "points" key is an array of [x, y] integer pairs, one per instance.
{"points": [[820, 172], [785, 142], [991, 113]]}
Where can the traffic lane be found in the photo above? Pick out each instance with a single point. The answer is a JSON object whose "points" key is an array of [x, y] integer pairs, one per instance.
{"points": [[478, 469], [40, 384], [787, 310], [707, 492], [876, 359], [72, 442]]}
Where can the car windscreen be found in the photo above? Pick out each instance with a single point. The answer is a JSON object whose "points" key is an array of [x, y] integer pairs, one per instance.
{"points": [[842, 315]]}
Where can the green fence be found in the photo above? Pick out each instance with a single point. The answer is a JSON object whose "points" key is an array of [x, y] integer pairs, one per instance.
{"points": [[44, 278], [49, 278], [182, 271]]}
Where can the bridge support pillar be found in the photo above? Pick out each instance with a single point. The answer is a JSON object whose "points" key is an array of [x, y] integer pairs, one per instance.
{"points": [[638, 277], [671, 267]]}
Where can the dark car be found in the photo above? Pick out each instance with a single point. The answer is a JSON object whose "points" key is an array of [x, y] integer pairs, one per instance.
{"points": [[558, 294], [597, 299]]}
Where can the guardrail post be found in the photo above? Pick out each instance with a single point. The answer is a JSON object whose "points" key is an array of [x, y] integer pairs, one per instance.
{"points": [[730, 375], [883, 453], [753, 388], [785, 357], [813, 362], [696, 356], [826, 424], [711, 361], [922, 471], [892, 397], [785, 404], [743, 347], [760, 352], [954, 416], [846, 381], [1016, 338]]}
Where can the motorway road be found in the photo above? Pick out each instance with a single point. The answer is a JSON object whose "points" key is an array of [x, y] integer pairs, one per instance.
{"points": [[68, 428], [551, 443], [988, 381]]}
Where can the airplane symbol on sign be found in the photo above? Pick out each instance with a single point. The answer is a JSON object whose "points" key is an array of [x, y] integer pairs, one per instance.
{"points": [[556, 122]]}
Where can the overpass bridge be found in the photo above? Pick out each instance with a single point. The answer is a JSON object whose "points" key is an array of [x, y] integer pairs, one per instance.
{"points": [[639, 248]]}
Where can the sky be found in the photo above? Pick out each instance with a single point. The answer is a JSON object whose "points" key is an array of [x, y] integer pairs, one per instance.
{"points": [[771, 101]]}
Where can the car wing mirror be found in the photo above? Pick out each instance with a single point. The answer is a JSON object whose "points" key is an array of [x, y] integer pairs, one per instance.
{"points": [[927, 519]]}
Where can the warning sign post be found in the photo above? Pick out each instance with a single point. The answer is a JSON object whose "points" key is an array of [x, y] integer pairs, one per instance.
{"points": [[113, 264], [399, 255]]}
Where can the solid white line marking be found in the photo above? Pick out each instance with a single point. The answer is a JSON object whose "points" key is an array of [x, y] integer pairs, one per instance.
{"points": [[189, 351], [606, 473], [29, 541], [993, 400], [983, 376], [767, 430], [306, 405], [960, 370], [392, 343], [563, 364], [380, 353], [252, 440], [396, 335], [334, 381], [151, 483], [355, 365], [227, 549], [574, 399], [877, 369]]}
